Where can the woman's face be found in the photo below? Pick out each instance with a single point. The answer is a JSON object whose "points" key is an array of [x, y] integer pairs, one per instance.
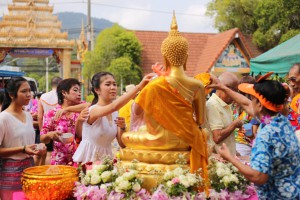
{"points": [[23, 94], [73, 97], [108, 88]]}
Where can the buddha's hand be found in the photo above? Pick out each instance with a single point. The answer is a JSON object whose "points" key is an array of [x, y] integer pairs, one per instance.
{"points": [[146, 80]]}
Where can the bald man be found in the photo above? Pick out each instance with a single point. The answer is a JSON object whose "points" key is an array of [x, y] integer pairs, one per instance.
{"points": [[220, 116]]}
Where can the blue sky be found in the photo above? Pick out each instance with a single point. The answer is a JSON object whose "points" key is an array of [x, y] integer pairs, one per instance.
{"points": [[140, 14]]}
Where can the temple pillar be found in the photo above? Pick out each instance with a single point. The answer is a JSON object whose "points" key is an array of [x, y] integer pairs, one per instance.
{"points": [[66, 63]]}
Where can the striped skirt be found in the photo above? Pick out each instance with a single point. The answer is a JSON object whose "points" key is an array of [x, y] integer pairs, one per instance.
{"points": [[11, 172]]}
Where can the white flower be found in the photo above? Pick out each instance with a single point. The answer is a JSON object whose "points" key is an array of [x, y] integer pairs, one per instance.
{"points": [[233, 178], [184, 181], [123, 186], [99, 168], [221, 172], [103, 186], [192, 179], [178, 171], [96, 179], [169, 184], [86, 180], [89, 173], [130, 175], [168, 175], [226, 180], [220, 165], [136, 187], [120, 179], [106, 176]]}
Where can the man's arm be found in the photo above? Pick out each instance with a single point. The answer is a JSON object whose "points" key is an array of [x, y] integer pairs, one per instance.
{"points": [[220, 134]]}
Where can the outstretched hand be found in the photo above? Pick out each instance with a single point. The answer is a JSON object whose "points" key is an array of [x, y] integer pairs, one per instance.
{"points": [[224, 152], [146, 80], [214, 83]]}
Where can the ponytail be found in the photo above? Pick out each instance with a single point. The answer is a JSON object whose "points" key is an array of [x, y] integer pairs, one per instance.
{"points": [[6, 101]]}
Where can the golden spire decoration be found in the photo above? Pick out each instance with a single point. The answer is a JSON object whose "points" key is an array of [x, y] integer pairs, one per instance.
{"points": [[174, 22]]}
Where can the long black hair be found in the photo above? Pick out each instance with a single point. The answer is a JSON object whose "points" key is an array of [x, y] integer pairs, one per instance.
{"points": [[65, 85], [11, 89], [96, 82]]}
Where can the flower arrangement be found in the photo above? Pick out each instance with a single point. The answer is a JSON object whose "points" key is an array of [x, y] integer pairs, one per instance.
{"points": [[105, 180], [226, 183], [177, 184], [226, 176]]}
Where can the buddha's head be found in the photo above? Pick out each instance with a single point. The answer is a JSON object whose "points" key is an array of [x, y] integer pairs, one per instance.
{"points": [[175, 47]]}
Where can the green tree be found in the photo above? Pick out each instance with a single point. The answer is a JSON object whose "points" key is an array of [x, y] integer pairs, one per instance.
{"points": [[270, 21], [125, 70], [113, 46], [230, 14]]}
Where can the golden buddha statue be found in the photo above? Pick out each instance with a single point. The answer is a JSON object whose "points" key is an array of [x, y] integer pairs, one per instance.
{"points": [[174, 108]]}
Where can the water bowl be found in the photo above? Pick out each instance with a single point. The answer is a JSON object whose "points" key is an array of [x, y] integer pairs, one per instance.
{"points": [[49, 182], [67, 138]]}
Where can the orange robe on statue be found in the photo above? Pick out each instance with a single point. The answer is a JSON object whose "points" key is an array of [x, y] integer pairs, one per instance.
{"points": [[169, 109]]}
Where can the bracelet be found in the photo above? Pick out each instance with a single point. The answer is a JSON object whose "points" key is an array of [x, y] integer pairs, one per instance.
{"points": [[123, 129], [24, 149]]}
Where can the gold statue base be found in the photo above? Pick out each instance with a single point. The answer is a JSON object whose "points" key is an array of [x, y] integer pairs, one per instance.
{"points": [[152, 164]]}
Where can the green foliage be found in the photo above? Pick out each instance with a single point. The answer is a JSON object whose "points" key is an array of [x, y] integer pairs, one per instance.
{"points": [[89, 98], [289, 34], [125, 70], [118, 51], [233, 13], [269, 21]]}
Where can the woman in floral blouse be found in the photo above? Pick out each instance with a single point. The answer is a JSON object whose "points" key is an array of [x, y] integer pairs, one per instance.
{"points": [[69, 94]]}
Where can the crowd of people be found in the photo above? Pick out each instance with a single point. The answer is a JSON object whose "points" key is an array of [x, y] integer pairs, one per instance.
{"points": [[244, 117]]}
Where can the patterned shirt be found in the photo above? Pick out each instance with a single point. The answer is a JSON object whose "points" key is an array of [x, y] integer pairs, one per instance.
{"points": [[276, 152], [62, 153]]}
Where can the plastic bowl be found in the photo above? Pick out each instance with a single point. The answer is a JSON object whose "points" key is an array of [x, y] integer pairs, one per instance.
{"points": [[67, 138], [49, 182]]}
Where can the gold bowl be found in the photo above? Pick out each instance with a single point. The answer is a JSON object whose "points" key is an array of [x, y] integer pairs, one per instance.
{"points": [[49, 182]]}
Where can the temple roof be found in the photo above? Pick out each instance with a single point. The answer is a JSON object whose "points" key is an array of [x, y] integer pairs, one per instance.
{"points": [[30, 23], [204, 48]]}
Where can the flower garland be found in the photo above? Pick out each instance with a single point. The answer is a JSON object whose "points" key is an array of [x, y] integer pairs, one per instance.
{"points": [[105, 180]]}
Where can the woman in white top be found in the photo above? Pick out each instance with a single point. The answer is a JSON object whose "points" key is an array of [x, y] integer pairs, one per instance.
{"points": [[16, 137], [103, 123]]}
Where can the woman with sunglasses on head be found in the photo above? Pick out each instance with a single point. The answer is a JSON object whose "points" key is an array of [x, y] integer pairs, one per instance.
{"points": [[275, 157], [17, 137]]}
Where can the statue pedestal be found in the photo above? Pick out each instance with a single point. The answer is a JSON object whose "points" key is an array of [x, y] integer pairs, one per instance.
{"points": [[152, 164]]}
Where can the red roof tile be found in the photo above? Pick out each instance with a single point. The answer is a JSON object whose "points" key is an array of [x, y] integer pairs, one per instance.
{"points": [[204, 48]]}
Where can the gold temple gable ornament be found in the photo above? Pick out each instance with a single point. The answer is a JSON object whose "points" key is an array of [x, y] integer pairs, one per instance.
{"points": [[175, 47]]}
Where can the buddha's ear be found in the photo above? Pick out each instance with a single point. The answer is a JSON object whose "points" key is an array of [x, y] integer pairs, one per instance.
{"points": [[166, 63], [184, 65]]}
